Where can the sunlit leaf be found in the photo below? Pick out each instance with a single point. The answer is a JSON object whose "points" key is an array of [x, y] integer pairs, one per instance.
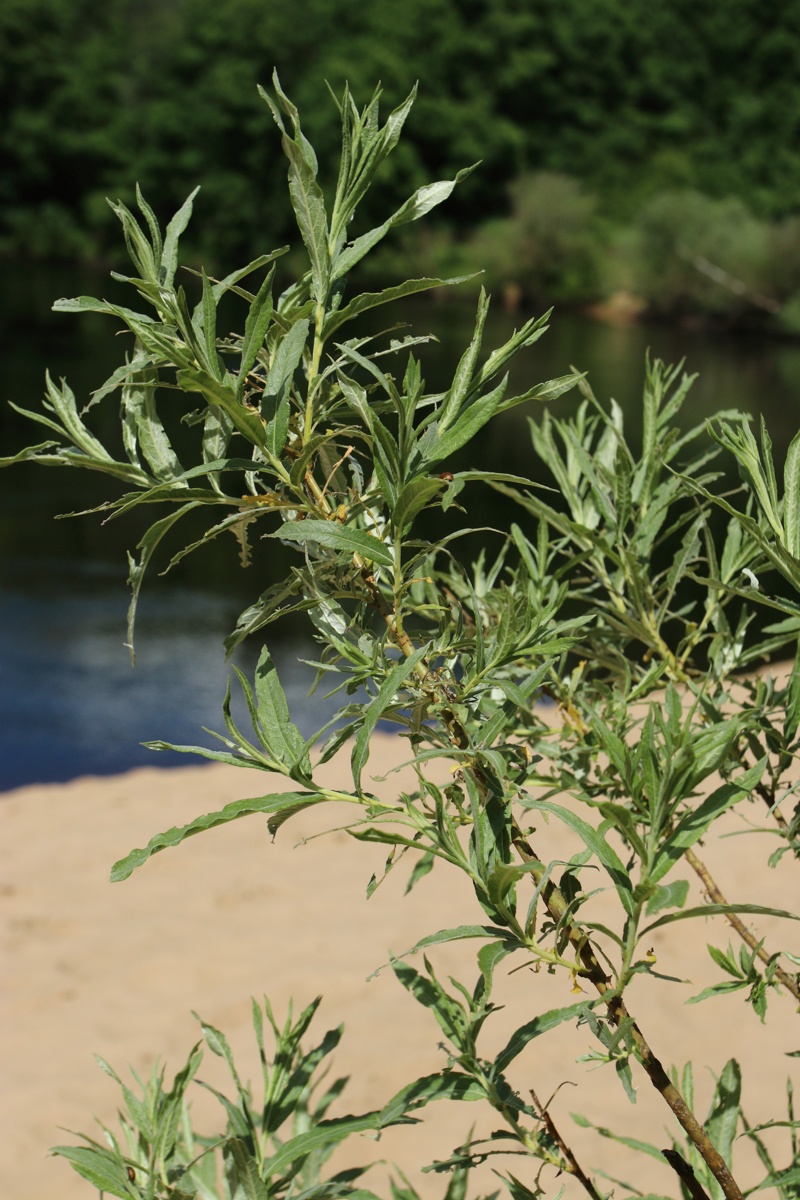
{"points": [[714, 910], [270, 805], [596, 843], [341, 538]]}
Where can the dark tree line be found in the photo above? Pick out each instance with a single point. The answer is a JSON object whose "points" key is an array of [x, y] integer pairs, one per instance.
{"points": [[630, 97]]}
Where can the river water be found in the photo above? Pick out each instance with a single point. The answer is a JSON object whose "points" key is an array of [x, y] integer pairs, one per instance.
{"points": [[70, 704]]}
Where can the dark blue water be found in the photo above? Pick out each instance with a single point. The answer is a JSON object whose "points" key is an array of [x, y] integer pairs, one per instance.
{"points": [[70, 703]]}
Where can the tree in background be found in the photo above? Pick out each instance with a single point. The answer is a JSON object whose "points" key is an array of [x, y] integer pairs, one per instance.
{"points": [[628, 99]]}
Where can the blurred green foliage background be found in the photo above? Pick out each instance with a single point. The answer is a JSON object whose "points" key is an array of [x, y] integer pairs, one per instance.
{"points": [[624, 142]]}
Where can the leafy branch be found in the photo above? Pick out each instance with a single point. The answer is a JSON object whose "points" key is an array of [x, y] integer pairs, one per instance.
{"points": [[615, 599]]}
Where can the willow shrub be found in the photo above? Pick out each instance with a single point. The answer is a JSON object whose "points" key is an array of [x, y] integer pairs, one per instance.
{"points": [[312, 433]]}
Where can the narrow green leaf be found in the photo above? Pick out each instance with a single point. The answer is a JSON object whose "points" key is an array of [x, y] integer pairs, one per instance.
{"points": [[152, 224], [719, 989], [670, 895], [723, 1120], [413, 497], [715, 910], [368, 300], [386, 697], [596, 843], [176, 227], [247, 422], [445, 1085], [141, 419], [250, 1184], [791, 497], [256, 326], [686, 555], [136, 570], [427, 991], [308, 203], [275, 406], [336, 537], [460, 933], [61, 401], [270, 805], [100, 1168], [228, 284], [535, 1028], [422, 201], [217, 430], [623, 819], [696, 821], [477, 414], [283, 737], [632, 1143], [551, 389], [465, 371], [209, 321], [324, 1136], [779, 1179]]}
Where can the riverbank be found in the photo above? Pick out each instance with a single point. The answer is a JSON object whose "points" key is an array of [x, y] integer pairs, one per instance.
{"points": [[116, 970]]}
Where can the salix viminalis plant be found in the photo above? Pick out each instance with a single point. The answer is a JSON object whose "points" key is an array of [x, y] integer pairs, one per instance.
{"points": [[326, 438]]}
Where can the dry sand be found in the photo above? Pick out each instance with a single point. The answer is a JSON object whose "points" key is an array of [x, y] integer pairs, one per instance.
{"points": [[91, 967]]}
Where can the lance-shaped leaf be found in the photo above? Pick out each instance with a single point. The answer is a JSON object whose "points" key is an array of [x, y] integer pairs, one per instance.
{"points": [[283, 738], [76, 304], [368, 300], [101, 1168], [306, 195], [324, 1136], [256, 326], [450, 1013], [148, 546], [446, 1085], [535, 1028], [477, 414], [169, 257], [668, 895], [551, 389], [413, 497], [465, 371], [791, 497], [386, 697], [716, 910], [596, 843], [461, 932], [757, 470], [790, 1177], [245, 420], [275, 407], [723, 1120], [61, 402], [205, 320], [66, 456], [270, 805], [385, 451], [249, 1184], [336, 537], [142, 427], [422, 201], [696, 821]]}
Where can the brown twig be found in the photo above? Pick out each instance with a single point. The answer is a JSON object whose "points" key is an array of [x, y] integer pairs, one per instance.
{"points": [[559, 910], [574, 1166], [686, 1175], [618, 1012], [714, 893]]}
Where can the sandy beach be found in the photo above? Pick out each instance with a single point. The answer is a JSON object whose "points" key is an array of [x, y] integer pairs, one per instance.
{"points": [[90, 967]]}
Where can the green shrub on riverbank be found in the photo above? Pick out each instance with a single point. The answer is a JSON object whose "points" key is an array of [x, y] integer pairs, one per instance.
{"points": [[633, 100], [310, 432]]}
